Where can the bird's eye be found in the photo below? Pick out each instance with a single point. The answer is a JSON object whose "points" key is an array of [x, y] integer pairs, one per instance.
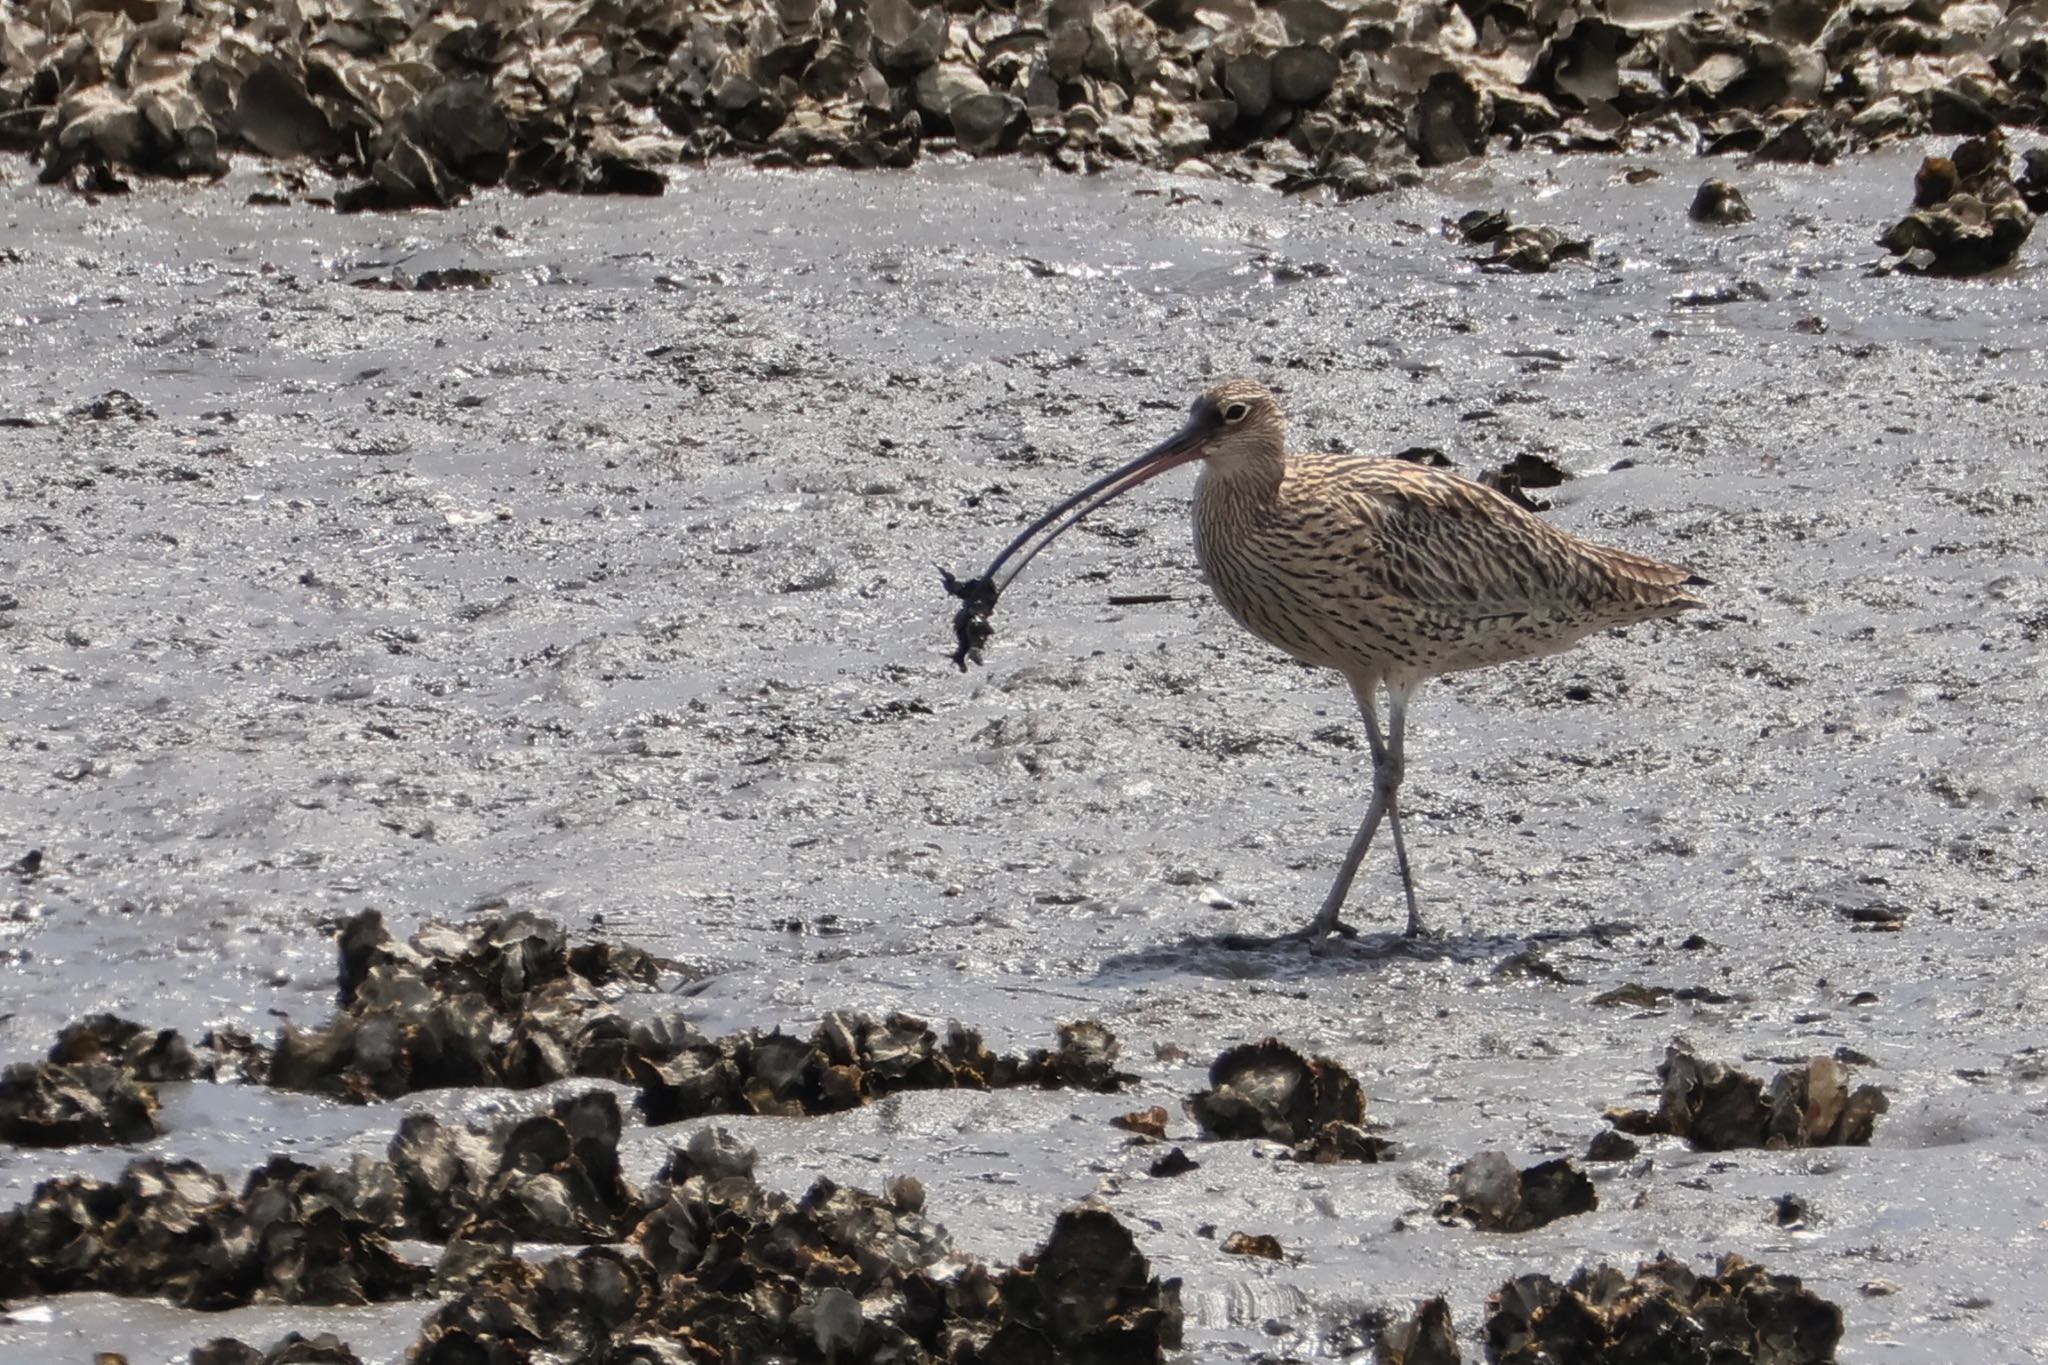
{"points": [[1235, 412]]}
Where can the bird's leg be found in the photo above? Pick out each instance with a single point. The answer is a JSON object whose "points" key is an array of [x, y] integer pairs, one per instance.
{"points": [[1390, 770], [1326, 922]]}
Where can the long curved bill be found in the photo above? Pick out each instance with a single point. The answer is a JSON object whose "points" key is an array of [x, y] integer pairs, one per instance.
{"points": [[971, 628]]}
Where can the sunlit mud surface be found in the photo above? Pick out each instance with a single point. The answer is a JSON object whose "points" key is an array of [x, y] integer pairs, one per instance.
{"points": [[610, 591]]}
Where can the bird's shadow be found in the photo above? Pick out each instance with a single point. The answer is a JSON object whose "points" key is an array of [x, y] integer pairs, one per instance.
{"points": [[1257, 956]]}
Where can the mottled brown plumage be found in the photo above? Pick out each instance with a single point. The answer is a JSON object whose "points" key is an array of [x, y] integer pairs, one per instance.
{"points": [[1386, 571], [1397, 571]]}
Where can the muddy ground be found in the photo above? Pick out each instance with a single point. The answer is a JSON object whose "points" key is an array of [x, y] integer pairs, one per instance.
{"points": [[610, 591]]}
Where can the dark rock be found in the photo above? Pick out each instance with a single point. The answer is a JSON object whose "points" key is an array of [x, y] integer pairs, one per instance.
{"points": [[1249, 81], [1175, 1162], [1511, 479], [1809, 139], [2033, 179], [907, 38], [1608, 1145], [274, 114]]}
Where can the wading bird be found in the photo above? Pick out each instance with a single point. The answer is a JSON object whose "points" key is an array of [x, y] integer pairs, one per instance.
{"points": [[1386, 571]]}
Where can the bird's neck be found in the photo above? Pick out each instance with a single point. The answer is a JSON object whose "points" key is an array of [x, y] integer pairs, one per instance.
{"points": [[1242, 485]]}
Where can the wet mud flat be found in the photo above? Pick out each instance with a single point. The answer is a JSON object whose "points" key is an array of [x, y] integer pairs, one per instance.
{"points": [[605, 588]]}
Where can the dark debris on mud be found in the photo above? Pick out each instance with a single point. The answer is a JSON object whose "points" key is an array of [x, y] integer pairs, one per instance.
{"points": [[1524, 248], [418, 106], [1717, 1108], [1666, 1314]]}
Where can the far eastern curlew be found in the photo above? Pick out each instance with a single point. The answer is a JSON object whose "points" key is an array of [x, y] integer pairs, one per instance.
{"points": [[1386, 571]]}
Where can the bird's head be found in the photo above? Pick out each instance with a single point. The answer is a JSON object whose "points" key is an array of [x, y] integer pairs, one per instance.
{"points": [[1236, 427], [1237, 424]]}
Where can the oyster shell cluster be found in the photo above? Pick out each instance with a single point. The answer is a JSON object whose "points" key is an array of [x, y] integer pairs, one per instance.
{"points": [[1488, 1193], [98, 1085], [1970, 214], [1717, 1108], [510, 1002], [417, 105], [1665, 1314], [1268, 1090], [293, 1348], [703, 1263], [174, 1230]]}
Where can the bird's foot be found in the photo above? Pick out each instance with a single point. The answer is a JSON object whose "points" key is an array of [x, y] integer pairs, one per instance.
{"points": [[1319, 937]]}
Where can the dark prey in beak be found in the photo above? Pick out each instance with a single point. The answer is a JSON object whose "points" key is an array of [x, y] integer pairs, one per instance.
{"points": [[971, 627]]}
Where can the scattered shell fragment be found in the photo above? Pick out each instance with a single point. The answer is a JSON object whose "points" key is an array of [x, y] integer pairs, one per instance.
{"points": [[1523, 248], [1262, 1245], [1145, 1122], [1719, 202], [1425, 1338]]}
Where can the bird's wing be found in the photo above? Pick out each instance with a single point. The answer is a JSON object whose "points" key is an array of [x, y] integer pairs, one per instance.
{"points": [[1445, 544]]}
